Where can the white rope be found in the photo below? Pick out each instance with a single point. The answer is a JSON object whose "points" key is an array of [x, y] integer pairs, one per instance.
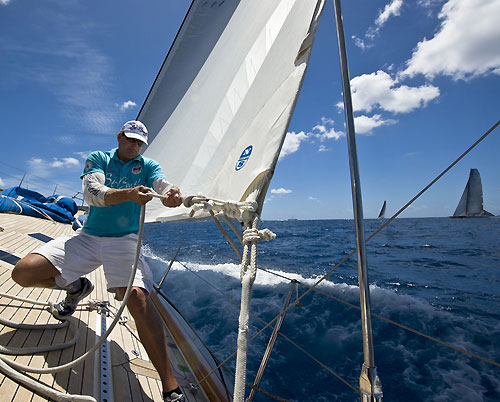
{"points": [[4, 350], [18, 325], [252, 234], [248, 274], [42, 388], [244, 211]]}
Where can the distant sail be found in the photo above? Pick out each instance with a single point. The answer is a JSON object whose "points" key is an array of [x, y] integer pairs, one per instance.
{"points": [[220, 107], [471, 203], [381, 215]]}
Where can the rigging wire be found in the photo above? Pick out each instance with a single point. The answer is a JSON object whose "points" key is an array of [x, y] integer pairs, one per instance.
{"points": [[389, 221], [234, 303], [311, 288], [38, 177], [436, 179], [458, 349]]}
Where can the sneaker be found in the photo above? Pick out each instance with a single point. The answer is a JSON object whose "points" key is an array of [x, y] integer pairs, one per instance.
{"points": [[174, 397], [67, 307]]}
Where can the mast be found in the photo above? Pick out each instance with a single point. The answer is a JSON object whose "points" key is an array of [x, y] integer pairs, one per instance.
{"points": [[369, 383]]}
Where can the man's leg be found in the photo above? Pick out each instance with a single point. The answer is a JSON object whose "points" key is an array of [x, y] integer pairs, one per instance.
{"points": [[150, 329], [34, 270]]}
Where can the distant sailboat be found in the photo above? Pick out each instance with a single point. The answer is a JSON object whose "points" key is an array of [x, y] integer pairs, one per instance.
{"points": [[381, 215], [471, 203]]}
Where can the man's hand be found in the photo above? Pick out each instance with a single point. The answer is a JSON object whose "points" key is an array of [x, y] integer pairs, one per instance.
{"points": [[173, 198], [139, 195], [119, 195]]}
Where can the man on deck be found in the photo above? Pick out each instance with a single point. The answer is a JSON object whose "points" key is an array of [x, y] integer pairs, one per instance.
{"points": [[115, 185]]}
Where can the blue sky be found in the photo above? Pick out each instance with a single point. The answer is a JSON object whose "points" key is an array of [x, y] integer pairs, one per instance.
{"points": [[425, 76]]}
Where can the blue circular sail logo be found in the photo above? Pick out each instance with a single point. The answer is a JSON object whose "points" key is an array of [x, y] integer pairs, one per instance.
{"points": [[245, 155]]}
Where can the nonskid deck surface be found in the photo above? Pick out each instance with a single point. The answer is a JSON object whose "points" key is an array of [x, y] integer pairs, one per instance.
{"points": [[134, 377]]}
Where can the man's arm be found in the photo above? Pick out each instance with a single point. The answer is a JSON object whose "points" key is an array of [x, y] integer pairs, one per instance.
{"points": [[99, 195], [172, 196], [119, 195]]}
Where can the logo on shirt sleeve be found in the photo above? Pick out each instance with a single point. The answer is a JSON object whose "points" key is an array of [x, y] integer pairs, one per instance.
{"points": [[88, 165]]}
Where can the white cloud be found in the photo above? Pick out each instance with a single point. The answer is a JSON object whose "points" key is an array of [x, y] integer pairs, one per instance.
{"points": [[327, 120], [428, 3], [39, 167], [312, 198], [83, 154], [4, 2], [323, 132], [292, 143], [380, 90], [2, 183], [280, 190], [391, 9], [326, 131], [466, 46], [365, 124], [128, 104], [64, 162], [68, 139], [44, 168], [360, 43]]}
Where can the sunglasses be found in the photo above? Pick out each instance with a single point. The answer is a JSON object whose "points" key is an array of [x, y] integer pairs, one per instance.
{"points": [[134, 140]]}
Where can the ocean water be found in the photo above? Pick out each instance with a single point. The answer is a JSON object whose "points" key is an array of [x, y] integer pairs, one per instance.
{"points": [[439, 276]]}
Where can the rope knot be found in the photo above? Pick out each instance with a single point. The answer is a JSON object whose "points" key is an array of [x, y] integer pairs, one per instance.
{"points": [[251, 234], [243, 211]]}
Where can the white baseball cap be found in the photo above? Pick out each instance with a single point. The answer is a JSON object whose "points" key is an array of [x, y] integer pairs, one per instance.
{"points": [[135, 129]]}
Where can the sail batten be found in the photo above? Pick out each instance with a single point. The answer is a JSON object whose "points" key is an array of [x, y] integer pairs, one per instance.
{"points": [[217, 129]]}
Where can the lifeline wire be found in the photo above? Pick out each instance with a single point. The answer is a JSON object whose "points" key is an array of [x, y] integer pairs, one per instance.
{"points": [[369, 238]]}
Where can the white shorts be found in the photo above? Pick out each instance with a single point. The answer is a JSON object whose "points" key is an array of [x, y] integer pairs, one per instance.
{"points": [[80, 254]]}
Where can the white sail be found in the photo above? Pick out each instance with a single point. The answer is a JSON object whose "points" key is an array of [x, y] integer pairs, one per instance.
{"points": [[471, 202], [219, 109]]}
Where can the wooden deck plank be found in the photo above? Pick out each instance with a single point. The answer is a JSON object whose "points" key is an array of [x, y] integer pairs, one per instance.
{"points": [[5, 235], [14, 311], [75, 377], [27, 245], [131, 382], [87, 387], [14, 242], [33, 339], [47, 338]]}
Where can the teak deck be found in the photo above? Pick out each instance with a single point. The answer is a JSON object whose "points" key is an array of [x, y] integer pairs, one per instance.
{"points": [[134, 378]]}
